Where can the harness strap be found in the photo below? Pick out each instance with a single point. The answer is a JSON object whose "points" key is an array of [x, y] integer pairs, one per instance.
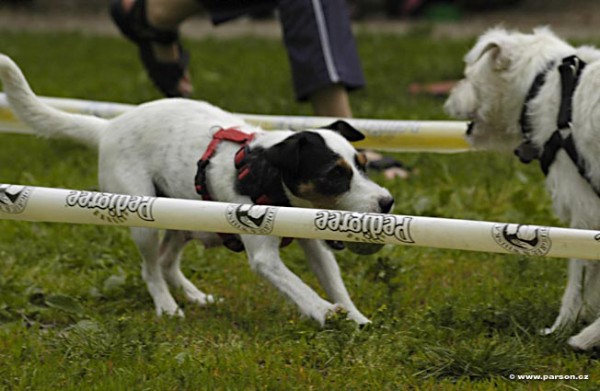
{"points": [[562, 138], [527, 151], [224, 134], [534, 90], [555, 143], [570, 70], [232, 134]]}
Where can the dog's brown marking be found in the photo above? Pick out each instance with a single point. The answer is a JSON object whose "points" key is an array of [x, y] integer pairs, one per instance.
{"points": [[361, 161], [306, 188], [344, 165], [309, 191], [325, 190]]}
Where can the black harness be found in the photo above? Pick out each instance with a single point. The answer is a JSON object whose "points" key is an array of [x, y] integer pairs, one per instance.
{"points": [[570, 71]]}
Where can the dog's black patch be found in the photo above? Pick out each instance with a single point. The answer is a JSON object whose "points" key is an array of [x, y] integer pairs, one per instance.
{"points": [[262, 179], [304, 163], [309, 168]]}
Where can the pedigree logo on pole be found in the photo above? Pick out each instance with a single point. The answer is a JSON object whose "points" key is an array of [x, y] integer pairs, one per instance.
{"points": [[369, 227], [13, 199], [254, 219], [522, 239], [114, 208]]}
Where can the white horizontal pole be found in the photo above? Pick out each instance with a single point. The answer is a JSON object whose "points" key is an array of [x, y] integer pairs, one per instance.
{"points": [[85, 207], [384, 135]]}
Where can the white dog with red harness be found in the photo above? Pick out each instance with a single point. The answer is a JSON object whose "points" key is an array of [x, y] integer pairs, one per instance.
{"points": [[154, 150], [537, 94]]}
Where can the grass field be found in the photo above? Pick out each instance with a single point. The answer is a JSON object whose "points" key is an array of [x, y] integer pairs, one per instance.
{"points": [[75, 314]]}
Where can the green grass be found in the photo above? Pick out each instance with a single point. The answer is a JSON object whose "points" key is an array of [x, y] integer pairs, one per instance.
{"points": [[75, 314]]}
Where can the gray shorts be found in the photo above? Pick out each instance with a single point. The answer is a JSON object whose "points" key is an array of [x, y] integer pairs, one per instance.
{"points": [[317, 35]]}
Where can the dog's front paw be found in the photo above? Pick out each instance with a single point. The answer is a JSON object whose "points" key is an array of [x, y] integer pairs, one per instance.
{"points": [[547, 331], [335, 315], [359, 318], [579, 344], [166, 305], [202, 299], [171, 311]]}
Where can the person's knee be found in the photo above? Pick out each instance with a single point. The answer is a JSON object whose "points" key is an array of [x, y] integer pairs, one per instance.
{"points": [[169, 14]]}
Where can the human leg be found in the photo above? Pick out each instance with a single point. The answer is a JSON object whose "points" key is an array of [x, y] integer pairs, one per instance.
{"points": [[153, 26], [169, 14], [322, 53], [324, 61], [331, 101]]}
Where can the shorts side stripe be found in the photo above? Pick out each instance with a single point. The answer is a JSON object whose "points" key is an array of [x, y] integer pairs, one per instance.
{"points": [[324, 36]]}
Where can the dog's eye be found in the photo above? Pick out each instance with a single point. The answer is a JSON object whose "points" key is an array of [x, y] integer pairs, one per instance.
{"points": [[335, 180], [341, 170], [360, 159], [337, 171]]}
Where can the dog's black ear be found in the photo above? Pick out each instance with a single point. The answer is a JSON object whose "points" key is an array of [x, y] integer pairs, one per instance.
{"points": [[286, 154], [348, 131]]}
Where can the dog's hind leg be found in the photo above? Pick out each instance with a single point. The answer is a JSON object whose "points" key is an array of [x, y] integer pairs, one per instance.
{"points": [[587, 338], [146, 240], [121, 174], [322, 262], [581, 297], [170, 258], [263, 255]]}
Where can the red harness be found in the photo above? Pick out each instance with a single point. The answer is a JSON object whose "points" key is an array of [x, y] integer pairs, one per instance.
{"points": [[229, 134], [235, 135]]}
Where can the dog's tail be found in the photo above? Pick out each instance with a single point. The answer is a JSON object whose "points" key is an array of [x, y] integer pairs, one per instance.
{"points": [[43, 119]]}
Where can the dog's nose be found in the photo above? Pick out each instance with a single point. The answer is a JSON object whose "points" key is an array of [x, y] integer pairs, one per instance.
{"points": [[385, 204]]}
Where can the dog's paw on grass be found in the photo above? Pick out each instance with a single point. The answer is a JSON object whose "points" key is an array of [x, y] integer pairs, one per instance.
{"points": [[336, 318]]}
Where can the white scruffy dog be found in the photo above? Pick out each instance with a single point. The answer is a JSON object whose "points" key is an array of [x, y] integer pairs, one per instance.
{"points": [[500, 71], [153, 151]]}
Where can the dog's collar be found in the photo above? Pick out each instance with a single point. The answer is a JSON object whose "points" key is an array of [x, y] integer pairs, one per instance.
{"points": [[570, 70], [235, 135]]}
